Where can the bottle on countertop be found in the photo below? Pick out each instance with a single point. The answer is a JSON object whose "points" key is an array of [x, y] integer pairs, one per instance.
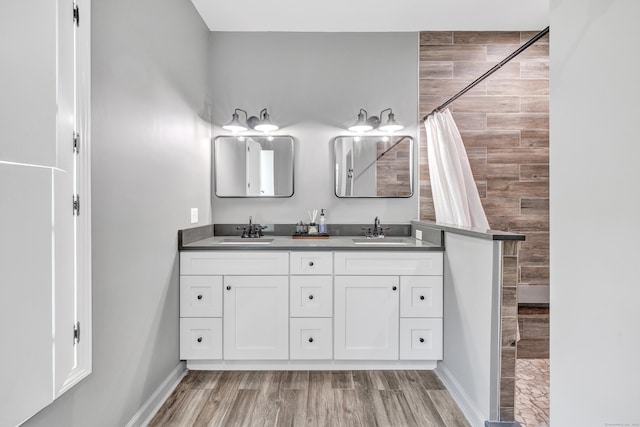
{"points": [[322, 226]]}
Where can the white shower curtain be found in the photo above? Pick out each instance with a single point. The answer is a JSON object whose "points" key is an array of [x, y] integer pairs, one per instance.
{"points": [[455, 194]]}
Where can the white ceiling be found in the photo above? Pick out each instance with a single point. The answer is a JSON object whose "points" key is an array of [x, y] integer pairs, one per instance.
{"points": [[373, 15]]}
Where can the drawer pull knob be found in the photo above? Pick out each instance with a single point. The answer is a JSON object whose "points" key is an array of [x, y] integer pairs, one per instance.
{"points": [[310, 296], [310, 263], [421, 339], [311, 339], [200, 296], [228, 288], [422, 297], [199, 339], [394, 288]]}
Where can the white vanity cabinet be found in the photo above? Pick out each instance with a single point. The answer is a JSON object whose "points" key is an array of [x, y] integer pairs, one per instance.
{"points": [[388, 305], [311, 304], [234, 305], [200, 317], [266, 309]]}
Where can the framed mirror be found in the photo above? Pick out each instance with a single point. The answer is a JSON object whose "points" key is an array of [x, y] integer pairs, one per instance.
{"points": [[373, 166], [253, 166]]}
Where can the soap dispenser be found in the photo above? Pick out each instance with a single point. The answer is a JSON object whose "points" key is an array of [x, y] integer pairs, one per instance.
{"points": [[322, 225]]}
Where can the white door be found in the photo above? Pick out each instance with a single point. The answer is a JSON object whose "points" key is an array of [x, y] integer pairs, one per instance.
{"points": [[37, 292], [256, 317], [253, 168], [26, 276], [366, 317]]}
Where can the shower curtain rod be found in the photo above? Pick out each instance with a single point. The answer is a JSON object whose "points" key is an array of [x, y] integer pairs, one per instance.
{"points": [[491, 71]]}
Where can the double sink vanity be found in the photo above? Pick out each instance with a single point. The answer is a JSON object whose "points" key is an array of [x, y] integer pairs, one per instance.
{"points": [[271, 298], [276, 302]]}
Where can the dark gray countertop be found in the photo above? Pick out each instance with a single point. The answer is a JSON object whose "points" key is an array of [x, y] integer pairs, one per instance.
{"points": [[287, 243], [399, 238], [471, 232]]}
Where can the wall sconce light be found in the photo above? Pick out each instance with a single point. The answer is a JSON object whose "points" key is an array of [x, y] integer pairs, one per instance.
{"points": [[365, 123], [234, 125], [362, 122], [265, 124], [391, 125], [261, 124]]}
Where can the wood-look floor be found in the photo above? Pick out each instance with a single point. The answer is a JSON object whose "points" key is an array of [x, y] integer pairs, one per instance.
{"points": [[310, 398]]}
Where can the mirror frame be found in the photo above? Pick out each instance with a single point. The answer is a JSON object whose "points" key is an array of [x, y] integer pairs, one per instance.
{"points": [[411, 167], [215, 156]]}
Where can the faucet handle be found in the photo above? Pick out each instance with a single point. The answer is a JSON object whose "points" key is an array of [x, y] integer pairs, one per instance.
{"points": [[244, 231]]}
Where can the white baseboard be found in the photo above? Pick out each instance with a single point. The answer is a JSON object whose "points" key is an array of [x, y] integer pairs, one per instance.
{"points": [[308, 365], [470, 411], [147, 411]]}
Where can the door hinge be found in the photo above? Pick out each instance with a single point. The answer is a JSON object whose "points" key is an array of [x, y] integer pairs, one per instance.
{"points": [[76, 142], [76, 204], [76, 14], [76, 333]]}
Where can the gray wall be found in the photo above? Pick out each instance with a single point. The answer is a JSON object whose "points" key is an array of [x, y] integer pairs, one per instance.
{"points": [[594, 178], [313, 85], [150, 166]]}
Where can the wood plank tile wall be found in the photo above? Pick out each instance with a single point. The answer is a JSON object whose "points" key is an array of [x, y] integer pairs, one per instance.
{"points": [[504, 123], [392, 173]]}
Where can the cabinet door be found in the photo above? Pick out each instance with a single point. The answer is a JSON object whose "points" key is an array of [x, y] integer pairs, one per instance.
{"points": [[366, 317], [256, 317]]}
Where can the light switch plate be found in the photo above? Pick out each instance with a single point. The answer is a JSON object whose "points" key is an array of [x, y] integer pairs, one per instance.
{"points": [[419, 234], [194, 215]]}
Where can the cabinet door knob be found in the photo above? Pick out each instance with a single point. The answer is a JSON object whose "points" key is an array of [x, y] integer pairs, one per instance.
{"points": [[200, 296], [310, 296], [311, 339], [421, 339], [199, 339], [421, 297], [228, 288], [310, 263], [394, 288]]}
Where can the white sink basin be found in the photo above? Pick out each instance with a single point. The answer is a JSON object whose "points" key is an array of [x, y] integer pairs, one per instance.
{"points": [[246, 241], [382, 241]]}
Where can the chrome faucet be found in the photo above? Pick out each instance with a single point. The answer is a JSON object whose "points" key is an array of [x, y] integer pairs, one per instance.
{"points": [[251, 231]]}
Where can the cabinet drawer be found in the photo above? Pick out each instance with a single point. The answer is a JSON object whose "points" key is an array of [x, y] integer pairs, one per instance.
{"points": [[421, 296], [243, 262], [311, 338], [421, 339], [200, 338], [200, 296], [311, 263], [311, 296], [388, 263]]}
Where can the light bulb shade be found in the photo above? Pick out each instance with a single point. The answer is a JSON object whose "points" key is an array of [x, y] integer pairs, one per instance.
{"points": [[361, 124], [234, 125], [360, 127], [265, 125], [391, 125]]}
